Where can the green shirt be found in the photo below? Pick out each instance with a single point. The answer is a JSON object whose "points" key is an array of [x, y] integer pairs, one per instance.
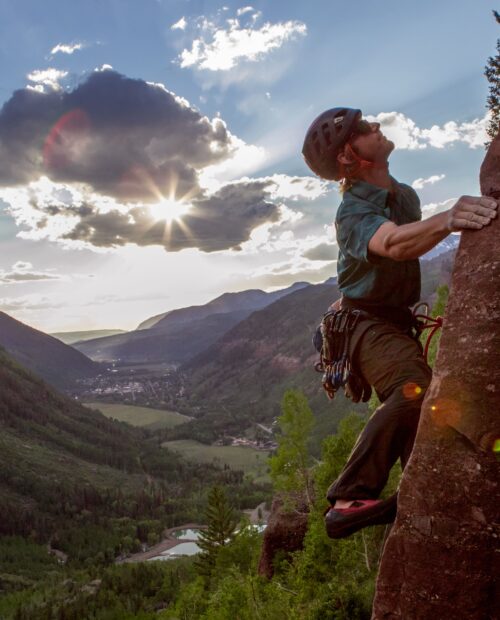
{"points": [[362, 275]]}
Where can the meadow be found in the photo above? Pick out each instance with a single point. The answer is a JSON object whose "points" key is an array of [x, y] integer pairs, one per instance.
{"points": [[145, 417], [252, 462]]}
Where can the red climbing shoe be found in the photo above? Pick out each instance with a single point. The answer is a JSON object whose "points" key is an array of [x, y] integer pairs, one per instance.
{"points": [[342, 522]]}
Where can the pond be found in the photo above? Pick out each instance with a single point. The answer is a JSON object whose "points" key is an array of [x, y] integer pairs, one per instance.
{"points": [[182, 549], [189, 534]]}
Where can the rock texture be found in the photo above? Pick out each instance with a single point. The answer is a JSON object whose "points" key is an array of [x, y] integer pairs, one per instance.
{"points": [[441, 559], [284, 533]]}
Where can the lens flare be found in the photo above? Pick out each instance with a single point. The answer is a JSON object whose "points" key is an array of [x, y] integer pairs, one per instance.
{"points": [[446, 412], [66, 139], [496, 445], [411, 391]]}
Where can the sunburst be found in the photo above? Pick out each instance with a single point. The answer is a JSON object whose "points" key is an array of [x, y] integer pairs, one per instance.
{"points": [[168, 210]]}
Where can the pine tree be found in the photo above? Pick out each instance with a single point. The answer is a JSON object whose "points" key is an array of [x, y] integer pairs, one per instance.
{"points": [[492, 73], [221, 525]]}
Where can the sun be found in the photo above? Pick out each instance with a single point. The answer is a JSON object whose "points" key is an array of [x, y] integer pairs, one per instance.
{"points": [[168, 210]]}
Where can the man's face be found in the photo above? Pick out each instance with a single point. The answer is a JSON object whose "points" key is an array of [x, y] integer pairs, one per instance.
{"points": [[370, 143]]}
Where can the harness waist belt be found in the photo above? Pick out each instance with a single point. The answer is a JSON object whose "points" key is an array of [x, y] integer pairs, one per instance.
{"points": [[401, 316]]}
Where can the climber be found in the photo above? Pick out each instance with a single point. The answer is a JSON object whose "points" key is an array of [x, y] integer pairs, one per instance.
{"points": [[380, 235]]}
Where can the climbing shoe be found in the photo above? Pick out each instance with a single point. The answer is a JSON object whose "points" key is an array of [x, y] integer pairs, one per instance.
{"points": [[342, 522]]}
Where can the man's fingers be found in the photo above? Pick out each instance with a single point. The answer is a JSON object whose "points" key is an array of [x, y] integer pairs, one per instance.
{"points": [[466, 211], [485, 201], [459, 223], [486, 211]]}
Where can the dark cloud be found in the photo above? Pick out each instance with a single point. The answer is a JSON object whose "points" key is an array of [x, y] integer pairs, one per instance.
{"points": [[323, 251], [123, 137], [11, 277], [217, 222]]}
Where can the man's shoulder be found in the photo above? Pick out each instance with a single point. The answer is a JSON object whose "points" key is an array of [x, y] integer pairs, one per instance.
{"points": [[355, 204]]}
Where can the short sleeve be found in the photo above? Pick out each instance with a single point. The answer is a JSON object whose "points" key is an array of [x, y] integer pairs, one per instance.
{"points": [[356, 224], [411, 204]]}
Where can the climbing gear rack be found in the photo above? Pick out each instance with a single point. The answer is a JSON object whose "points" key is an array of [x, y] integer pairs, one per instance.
{"points": [[332, 341]]}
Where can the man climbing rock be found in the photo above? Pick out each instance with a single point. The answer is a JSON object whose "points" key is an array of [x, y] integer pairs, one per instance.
{"points": [[380, 236]]}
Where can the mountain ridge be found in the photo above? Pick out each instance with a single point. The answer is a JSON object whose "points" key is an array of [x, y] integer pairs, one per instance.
{"points": [[59, 364]]}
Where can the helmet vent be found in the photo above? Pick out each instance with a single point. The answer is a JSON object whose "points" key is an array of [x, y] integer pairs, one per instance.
{"points": [[326, 133]]}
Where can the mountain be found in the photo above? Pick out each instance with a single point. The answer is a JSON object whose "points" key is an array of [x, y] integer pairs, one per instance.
{"points": [[72, 337], [450, 243], [174, 344], [253, 299], [181, 334], [240, 379], [57, 363]]}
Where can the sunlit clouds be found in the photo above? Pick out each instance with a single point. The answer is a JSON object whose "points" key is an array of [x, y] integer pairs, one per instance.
{"points": [[46, 79], [118, 161], [122, 137], [180, 24], [420, 182], [66, 48], [432, 208], [405, 133], [221, 46], [74, 216]]}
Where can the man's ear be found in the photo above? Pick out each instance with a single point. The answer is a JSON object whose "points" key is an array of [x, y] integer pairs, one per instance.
{"points": [[342, 158]]}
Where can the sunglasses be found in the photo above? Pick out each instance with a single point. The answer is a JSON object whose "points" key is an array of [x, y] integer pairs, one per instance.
{"points": [[362, 127]]}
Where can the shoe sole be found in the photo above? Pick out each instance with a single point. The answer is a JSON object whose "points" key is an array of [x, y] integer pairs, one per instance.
{"points": [[343, 526]]}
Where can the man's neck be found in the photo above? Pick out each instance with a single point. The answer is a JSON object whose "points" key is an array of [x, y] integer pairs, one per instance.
{"points": [[379, 177]]}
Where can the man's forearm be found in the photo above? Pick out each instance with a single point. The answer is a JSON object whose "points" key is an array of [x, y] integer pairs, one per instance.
{"points": [[410, 241]]}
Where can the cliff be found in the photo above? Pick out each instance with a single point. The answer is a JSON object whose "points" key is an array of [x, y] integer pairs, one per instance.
{"points": [[441, 558]]}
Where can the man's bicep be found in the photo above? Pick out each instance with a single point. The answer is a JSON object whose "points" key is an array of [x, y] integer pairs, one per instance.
{"points": [[376, 244]]}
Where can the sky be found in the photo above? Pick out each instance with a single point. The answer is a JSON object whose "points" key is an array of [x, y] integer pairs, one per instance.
{"points": [[150, 150]]}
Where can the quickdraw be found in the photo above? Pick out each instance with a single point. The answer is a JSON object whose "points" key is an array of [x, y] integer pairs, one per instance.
{"points": [[425, 321]]}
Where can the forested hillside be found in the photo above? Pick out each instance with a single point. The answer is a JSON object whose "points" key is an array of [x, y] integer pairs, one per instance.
{"points": [[62, 464], [54, 361]]}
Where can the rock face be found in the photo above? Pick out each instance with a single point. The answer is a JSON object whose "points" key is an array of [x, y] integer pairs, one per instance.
{"points": [[284, 533], [441, 559]]}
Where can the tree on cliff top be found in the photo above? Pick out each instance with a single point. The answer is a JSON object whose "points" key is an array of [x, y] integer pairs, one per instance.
{"points": [[290, 466], [492, 73]]}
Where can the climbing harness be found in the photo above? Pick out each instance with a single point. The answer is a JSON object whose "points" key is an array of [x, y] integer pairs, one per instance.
{"points": [[331, 340], [425, 321]]}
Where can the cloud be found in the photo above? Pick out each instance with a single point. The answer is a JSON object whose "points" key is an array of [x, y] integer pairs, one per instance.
{"points": [[405, 133], [23, 272], [420, 182], [437, 207], [72, 216], [322, 252], [285, 273], [111, 162], [243, 10], [221, 48], [179, 25], [46, 77], [28, 303], [122, 137], [65, 48]]}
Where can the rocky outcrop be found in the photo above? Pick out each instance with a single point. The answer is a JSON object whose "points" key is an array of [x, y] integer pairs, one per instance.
{"points": [[284, 533], [441, 558]]}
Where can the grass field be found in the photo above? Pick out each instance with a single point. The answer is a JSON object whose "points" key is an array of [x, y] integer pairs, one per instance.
{"points": [[152, 419], [253, 462]]}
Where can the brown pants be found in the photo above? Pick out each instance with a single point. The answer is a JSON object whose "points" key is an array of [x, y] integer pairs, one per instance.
{"points": [[392, 362]]}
